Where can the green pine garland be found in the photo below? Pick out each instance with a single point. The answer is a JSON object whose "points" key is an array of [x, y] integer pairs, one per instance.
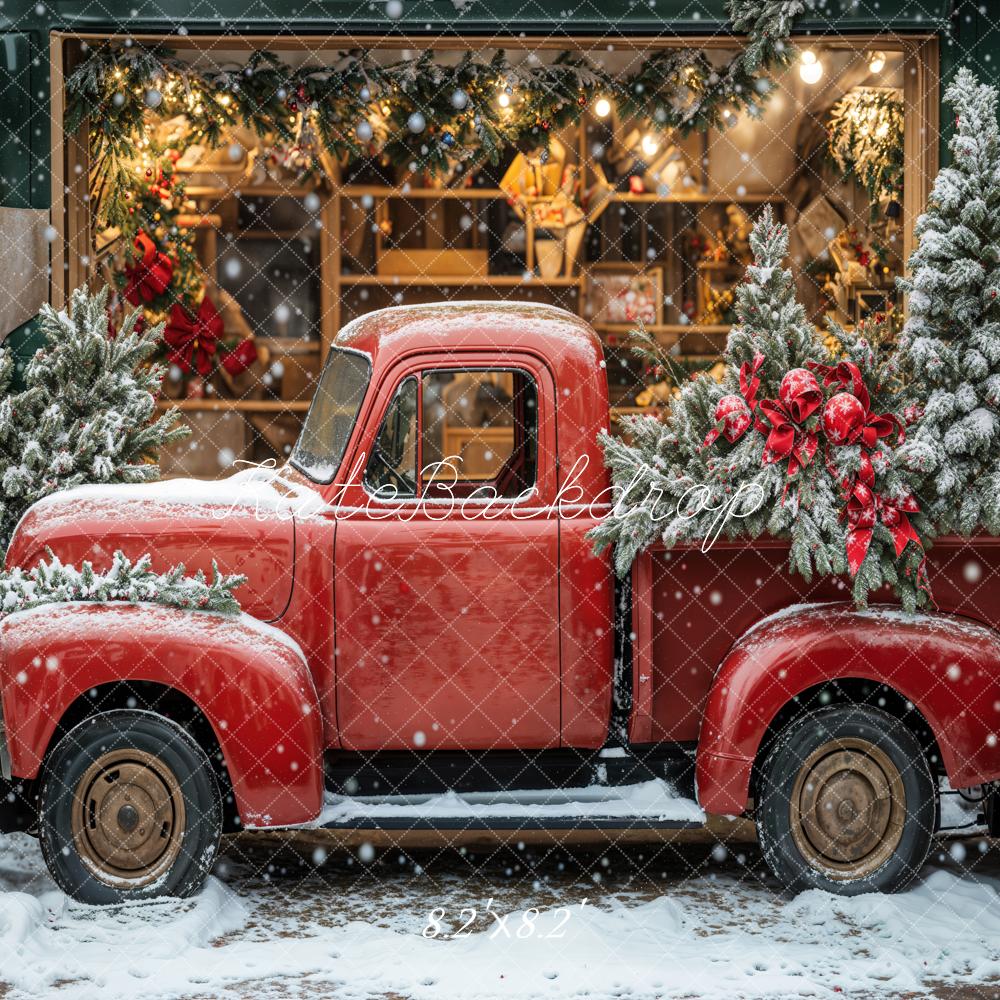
{"points": [[416, 112], [51, 582], [865, 141]]}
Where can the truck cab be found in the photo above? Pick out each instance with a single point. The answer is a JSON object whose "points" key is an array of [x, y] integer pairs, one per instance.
{"points": [[429, 643]]}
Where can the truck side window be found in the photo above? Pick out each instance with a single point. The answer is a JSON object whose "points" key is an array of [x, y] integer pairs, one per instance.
{"points": [[483, 425], [392, 469]]}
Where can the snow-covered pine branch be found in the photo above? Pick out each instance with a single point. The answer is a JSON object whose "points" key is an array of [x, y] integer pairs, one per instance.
{"points": [[86, 414], [51, 582]]}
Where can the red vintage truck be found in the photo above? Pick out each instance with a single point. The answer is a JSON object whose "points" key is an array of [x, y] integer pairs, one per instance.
{"points": [[429, 643]]}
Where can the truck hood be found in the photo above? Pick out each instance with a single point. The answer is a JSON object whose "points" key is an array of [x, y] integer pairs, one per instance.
{"points": [[246, 523]]}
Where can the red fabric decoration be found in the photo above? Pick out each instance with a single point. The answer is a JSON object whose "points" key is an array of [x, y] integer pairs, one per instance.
{"points": [[800, 394], [193, 340], [786, 439], [240, 358], [863, 511], [732, 419], [846, 375], [733, 415], [150, 275], [750, 380], [843, 418]]}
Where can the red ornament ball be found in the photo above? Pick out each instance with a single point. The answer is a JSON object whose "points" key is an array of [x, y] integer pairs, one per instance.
{"points": [[843, 415], [736, 417], [800, 393]]}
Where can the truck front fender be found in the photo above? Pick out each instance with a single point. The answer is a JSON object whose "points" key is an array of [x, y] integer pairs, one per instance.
{"points": [[249, 680], [948, 667]]}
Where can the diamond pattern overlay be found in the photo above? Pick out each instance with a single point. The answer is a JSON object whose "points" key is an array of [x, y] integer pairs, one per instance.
{"points": [[447, 754]]}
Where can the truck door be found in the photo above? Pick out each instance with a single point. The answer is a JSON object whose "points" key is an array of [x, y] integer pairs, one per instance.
{"points": [[446, 578]]}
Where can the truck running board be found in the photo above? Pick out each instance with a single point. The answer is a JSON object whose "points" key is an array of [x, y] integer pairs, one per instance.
{"points": [[647, 805]]}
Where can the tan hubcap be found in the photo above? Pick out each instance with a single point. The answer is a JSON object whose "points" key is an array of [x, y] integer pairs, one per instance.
{"points": [[128, 818], [848, 808]]}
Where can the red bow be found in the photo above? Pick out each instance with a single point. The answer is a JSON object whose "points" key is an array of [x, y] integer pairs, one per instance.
{"points": [[863, 511], [240, 358], [193, 339], [847, 375], [150, 275], [786, 438]]}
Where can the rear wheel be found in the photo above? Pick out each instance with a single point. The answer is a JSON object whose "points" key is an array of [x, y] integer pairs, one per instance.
{"points": [[846, 803], [129, 808]]}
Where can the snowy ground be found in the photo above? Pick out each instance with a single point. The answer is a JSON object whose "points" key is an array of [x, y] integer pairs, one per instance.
{"points": [[658, 922]]}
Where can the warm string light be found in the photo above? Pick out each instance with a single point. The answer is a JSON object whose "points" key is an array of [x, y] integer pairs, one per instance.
{"points": [[876, 62], [810, 68], [602, 108]]}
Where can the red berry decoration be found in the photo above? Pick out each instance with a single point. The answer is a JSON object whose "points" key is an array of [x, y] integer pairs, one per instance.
{"points": [[735, 415], [800, 394], [843, 417]]}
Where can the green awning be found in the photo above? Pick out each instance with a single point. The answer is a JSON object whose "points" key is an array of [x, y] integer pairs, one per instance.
{"points": [[554, 18]]}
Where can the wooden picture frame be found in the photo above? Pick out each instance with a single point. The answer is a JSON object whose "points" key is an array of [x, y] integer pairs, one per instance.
{"points": [[625, 296], [869, 301]]}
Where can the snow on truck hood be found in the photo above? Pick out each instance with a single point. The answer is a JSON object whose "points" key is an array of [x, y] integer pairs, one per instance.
{"points": [[244, 523], [264, 489]]}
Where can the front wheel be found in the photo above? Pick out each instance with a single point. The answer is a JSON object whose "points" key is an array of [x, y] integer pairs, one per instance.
{"points": [[129, 808], [846, 803]]}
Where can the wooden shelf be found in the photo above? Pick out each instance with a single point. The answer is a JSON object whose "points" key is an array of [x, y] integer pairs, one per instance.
{"points": [[233, 405], [458, 281], [285, 235], [491, 194], [244, 190], [433, 194], [699, 198]]}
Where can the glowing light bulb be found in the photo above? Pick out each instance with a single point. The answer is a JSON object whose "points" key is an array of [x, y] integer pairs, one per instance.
{"points": [[602, 108], [877, 63], [504, 99], [810, 68], [650, 144]]}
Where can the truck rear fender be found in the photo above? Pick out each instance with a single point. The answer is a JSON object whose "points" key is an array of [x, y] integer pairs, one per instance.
{"points": [[946, 667], [249, 681]]}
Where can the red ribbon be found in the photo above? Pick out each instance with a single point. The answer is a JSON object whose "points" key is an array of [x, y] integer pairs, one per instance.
{"points": [[150, 275], [864, 510], [193, 339], [786, 438], [750, 380], [845, 374]]}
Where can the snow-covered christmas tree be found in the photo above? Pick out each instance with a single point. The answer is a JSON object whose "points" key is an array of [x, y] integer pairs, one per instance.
{"points": [[86, 412], [790, 444], [950, 345]]}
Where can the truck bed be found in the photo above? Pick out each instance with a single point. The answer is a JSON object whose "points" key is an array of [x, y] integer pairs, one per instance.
{"points": [[689, 607]]}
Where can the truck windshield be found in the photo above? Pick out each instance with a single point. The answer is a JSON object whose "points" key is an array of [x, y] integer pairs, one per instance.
{"points": [[320, 448]]}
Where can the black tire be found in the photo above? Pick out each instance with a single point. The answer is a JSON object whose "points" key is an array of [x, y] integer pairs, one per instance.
{"points": [[129, 808], [846, 802]]}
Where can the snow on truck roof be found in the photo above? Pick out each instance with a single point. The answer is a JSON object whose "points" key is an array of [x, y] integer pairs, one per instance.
{"points": [[552, 331]]}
